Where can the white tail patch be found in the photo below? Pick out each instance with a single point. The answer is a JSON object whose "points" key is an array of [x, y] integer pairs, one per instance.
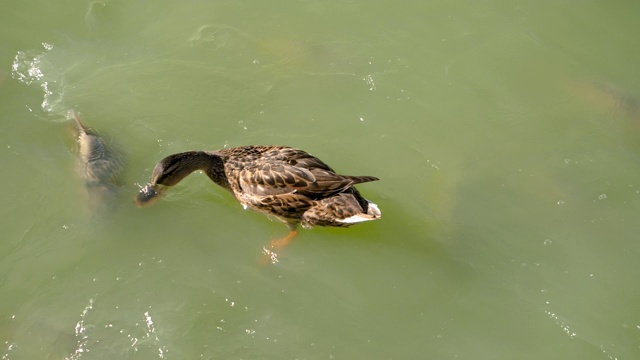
{"points": [[356, 219], [373, 213], [373, 210]]}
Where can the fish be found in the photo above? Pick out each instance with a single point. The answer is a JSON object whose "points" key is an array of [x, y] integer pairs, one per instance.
{"points": [[99, 164]]}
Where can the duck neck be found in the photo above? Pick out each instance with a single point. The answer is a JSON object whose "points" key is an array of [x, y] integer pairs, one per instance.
{"points": [[174, 168], [215, 169]]}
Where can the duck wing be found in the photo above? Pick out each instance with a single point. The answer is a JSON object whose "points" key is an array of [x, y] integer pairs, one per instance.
{"points": [[264, 179], [268, 178]]}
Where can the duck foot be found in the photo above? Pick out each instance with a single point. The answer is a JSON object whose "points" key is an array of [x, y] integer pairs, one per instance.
{"points": [[280, 243], [269, 255]]}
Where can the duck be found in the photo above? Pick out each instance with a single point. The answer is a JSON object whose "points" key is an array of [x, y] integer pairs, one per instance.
{"points": [[279, 181]]}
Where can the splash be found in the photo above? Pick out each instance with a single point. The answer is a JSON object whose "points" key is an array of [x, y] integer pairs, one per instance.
{"points": [[32, 67]]}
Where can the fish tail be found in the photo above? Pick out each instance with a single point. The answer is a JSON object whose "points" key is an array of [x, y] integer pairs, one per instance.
{"points": [[81, 126]]}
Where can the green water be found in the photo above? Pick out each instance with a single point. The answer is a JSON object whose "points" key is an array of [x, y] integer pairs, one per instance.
{"points": [[506, 136]]}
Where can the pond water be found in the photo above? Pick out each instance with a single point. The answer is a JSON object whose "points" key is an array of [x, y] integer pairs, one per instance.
{"points": [[506, 136]]}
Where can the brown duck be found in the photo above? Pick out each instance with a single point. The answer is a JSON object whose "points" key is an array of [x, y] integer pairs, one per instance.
{"points": [[284, 182]]}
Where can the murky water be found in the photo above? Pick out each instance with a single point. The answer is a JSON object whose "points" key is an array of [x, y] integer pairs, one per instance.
{"points": [[506, 137]]}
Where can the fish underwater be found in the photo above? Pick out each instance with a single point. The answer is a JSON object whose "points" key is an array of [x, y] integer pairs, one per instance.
{"points": [[99, 165]]}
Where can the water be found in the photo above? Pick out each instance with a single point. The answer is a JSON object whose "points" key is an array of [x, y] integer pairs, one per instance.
{"points": [[506, 137]]}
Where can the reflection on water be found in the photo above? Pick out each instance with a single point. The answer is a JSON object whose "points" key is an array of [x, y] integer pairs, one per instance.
{"points": [[82, 335], [101, 329]]}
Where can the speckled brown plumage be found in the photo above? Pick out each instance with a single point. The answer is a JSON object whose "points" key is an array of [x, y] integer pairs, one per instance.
{"points": [[288, 183]]}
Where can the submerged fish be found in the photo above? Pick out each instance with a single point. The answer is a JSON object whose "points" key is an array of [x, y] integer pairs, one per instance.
{"points": [[99, 165], [610, 97]]}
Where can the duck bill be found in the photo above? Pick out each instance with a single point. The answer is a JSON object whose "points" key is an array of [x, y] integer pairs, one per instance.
{"points": [[148, 195]]}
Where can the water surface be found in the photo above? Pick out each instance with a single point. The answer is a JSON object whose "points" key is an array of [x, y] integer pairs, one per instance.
{"points": [[506, 137]]}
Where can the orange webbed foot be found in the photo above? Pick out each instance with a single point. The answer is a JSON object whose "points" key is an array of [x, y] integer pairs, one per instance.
{"points": [[269, 252], [280, 243]]}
